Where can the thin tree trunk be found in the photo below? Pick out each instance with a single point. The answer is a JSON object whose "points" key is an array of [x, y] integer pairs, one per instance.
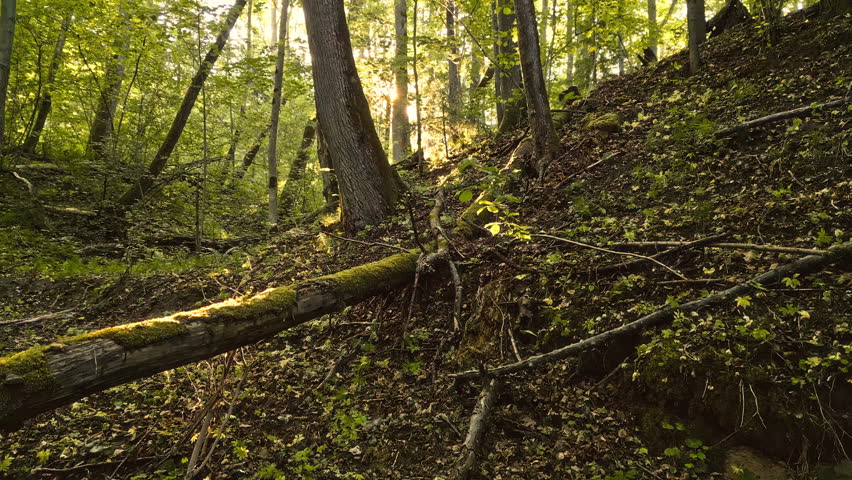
{"points": [[653, 30], [7, 36], [400, 127], [454, 98], [146, 182], [697, 30], [290, 193], [272, 152], [101, 133], [46, 101], [273, 15], [368, 190], [550, 59], [497, 73], [538, 105], [421, 156], [251, 154], [510, 79], [569, 68]]}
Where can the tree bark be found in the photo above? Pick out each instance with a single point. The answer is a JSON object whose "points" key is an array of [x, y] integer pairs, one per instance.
{"points": [[46, 377], [368, 190], [497, 68], [100, 135], [697, 32], [454, 96], [146, 182], [330, 190], [7, 36], [653, 30], [251, 154], [46, 101], [290, 193], [400, 126], [538, 105], [272, 151], [510, 77], [569, 68]]}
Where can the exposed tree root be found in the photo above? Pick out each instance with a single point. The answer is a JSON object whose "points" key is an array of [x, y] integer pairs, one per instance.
{"points": [[840, 254]]}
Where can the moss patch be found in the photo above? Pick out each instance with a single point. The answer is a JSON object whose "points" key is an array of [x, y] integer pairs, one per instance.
{"points": [[30, 366], [271, 300], [608, 122], [359, 281], [136, 335]]}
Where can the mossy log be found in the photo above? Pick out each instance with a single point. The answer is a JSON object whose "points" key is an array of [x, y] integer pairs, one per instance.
{"points": [[46, 377], [839, 254]]}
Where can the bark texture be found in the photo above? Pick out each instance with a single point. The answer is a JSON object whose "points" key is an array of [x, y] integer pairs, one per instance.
{"points": [[146, 182], [538, 105], [697, 32], [45, 103], [46, 377], [454, 96], [367, 187], [100, 135], [272, 151], [400, 127], [7, 36]]}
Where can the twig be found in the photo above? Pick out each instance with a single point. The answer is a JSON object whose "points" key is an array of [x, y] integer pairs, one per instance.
{"points": [[370, 244], [571, 176], [777, 117], [678, 248], [68, 312], [87, 466], [693, 281], [615, 252], [469, 460], [808, 264]]}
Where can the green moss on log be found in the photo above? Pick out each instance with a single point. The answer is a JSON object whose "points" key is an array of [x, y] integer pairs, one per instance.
{"points": [[24, 372], [136, 335], [272, 300], [360, 281]]}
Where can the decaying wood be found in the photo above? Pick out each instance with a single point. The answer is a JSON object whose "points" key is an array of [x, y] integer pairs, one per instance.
{"points": [[840, 254], [45, 377], [777, 117], [727, 245], [469, 461]]}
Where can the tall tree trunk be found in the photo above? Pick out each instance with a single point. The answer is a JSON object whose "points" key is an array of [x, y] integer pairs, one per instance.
{"points": [[101, 132], [368, 190], [273, 16], [538, 105], [421, 157], [330, 189], [146, 181], [251, 154], [272, 152], [400, 126], [454, 98], [697, 30], [550, 44], [653, 29], [46, 101], [7, 35], [496, 52], [569, 68], [290, 193], [510, 77]]}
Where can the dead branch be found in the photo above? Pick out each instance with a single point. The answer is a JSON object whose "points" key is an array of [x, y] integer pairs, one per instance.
{"points": [[726, 245], [631, 266], [840, 254], [60, 315], [469, 460], [615, 252], [777, 117], [369, 244]]}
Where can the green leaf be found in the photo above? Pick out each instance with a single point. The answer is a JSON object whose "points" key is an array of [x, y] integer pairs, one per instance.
{"points": [[494, 228], [672, 452], [465, 196], [694, 443]]}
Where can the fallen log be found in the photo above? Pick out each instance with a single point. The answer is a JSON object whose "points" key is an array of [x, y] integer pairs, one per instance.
{"points": [[48, 376], [840, 254], [777, 117]]}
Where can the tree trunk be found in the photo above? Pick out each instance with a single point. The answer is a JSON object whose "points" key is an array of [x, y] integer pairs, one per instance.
{"points": [[569, 68], [251, 154], [653, 30], [7, 35], [146, 182], [538, 105], [101, 132], [498, 73], [46, 101], [291, 190], [454, 96], [329, 180], [510, 77], [697, 31], [46, 377], [400, 127], [368, 190], [272, 152]]}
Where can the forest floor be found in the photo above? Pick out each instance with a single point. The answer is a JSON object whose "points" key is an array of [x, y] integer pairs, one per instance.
{"points": [[762, 384]]}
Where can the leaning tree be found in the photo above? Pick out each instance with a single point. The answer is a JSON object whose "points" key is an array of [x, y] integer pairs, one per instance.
{"points": [[368, 189]]}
